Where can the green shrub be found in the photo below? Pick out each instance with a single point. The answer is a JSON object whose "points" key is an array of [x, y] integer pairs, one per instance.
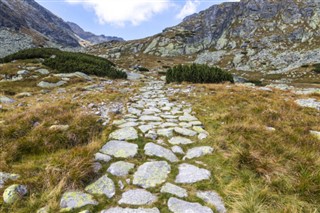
{"points": [[197, 73], [67, 62], [143, 69], [316, 68]]}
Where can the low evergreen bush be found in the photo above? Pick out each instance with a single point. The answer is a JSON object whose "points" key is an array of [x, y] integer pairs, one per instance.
{"points": [[67, 62], [197, 73]]}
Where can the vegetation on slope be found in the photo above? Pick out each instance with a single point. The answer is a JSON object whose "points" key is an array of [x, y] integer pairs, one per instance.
{"points": [[254, 168], [67, 62], [197, 73]]}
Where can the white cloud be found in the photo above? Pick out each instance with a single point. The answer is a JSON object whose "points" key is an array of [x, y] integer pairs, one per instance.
{"points": [[189, 8], [121, 12]]}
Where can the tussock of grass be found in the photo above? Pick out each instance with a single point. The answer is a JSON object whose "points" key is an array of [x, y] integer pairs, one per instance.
{"points": [[256, 170]]}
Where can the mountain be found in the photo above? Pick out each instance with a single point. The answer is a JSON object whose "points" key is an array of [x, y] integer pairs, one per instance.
{"points": [[25, 24], [92, 38], [250, 35]]}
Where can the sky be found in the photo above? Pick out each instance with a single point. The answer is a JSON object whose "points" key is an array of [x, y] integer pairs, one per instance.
{"points": [[129, 19]]}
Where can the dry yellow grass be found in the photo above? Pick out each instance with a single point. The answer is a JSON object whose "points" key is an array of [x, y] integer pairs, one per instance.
{"points": [[255, 169]]}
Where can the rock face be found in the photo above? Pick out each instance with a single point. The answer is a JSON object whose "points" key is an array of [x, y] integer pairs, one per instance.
{"points": [[248, 35], [151, 174]]}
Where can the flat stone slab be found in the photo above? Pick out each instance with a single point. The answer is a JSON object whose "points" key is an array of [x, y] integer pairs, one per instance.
{"points": [[187, 117], [103, 185], [174, 189], [6, 100], [120, 168], [150, 118], [190, 174], [73, 200], [128, 124], [130, 210], [165, 132], [177, 149], [180, 140], [102, 157], [152, 149], [214, 199], [127, 133], [137, 197], [180, 206], [145, 128], [120, 149], [198, 152], [185, 132], [151, 174]]}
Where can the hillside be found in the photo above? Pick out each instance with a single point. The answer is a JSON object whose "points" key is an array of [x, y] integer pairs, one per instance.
{"points": [[25, 24], [267, 37]]}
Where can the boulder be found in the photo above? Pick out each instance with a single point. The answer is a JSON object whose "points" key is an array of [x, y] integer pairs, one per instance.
{"points": [[14, 193]]}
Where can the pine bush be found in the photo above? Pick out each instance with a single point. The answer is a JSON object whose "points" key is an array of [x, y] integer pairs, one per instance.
{"points": [[197, 73]]}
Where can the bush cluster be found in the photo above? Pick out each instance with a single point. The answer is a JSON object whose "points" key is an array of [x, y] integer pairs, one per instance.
{"points": [[317, 68], [197, 73], [67, 62]]}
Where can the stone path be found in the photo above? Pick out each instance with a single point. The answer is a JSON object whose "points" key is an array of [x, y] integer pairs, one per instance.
{"points": [[138, 172]]}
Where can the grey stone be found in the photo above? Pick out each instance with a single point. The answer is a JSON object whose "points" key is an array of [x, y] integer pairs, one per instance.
{"points": [[75, 74], [14, 193], [145, 128], [187, 117], [177, 149], [151, 174], [128, 124], [190, 174], [137, 197], [127, 133], [130, 210], [168, 124], [152, 149], [151, 134], [96, 167], [44, 84], [312, 132], [102, 157], [185, 132], [43, 71], [202, 136], [150, 118], [6, 100], [43, 210], [198, 152], [102, 186], [4, 177], [73, 200], [120, 168], [214, 199], [180, 206], [120, 149], [174, 189], [311, 103], [180, 140], [165, 132], [23, 72]]}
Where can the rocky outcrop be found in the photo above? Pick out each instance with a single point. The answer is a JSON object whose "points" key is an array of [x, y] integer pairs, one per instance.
{"points": [[248, 35]]}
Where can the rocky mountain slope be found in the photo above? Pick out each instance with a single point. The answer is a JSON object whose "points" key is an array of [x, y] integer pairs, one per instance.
{"points": [[92, 38], [250, 35], [25, 24]]}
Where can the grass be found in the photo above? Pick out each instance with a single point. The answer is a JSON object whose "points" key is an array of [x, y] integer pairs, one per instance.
{"points": [[256, 170], [51, 162]]}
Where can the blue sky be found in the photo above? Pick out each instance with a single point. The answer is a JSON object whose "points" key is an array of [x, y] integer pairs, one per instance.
{"points": [[129, 19]]}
